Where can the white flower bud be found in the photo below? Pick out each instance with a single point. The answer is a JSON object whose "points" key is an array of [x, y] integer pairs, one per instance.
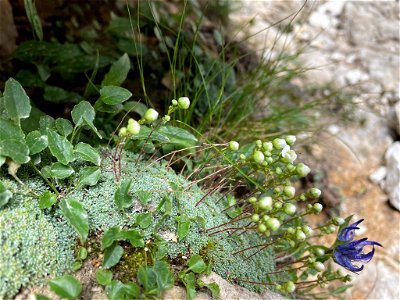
{"points": [[317, 208], [289, 191], [233, 145], [302, 170], [279, 143], [267, 146], [183, 102], [314, 192], [151, 115], [258, 157], [290, 139], [122, 132], [265, 203], [273, 224], [133, 127], [289, 208], [319, 266]]}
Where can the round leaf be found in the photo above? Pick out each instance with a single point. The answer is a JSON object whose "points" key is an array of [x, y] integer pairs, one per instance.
{"points": [[60, 147], [118, 72], [47, 199], [104, 277], [121, 197], [16, 101], [64, 127], [89, 176], [36, 142], [82, 112], [197, 264], [67, 287], [88, 153]]}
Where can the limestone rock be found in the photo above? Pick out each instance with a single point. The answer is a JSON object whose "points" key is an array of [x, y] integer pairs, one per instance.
{"points": [[392, 183]]}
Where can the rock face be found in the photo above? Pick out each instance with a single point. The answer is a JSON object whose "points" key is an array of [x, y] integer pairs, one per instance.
{"points": [[392, 182]]}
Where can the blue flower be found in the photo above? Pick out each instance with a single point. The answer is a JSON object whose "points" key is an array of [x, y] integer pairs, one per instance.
{"points": [[348, 251]]}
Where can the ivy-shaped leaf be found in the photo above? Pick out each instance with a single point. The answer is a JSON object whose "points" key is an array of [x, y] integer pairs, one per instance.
{"points": [[122, 291], [60, 147], [67, 287], [83, 114], [104, 277], [64, 127], [144, 220], [12, 142], [77, 216], [116, 234], [183, 227], [189, 280]]}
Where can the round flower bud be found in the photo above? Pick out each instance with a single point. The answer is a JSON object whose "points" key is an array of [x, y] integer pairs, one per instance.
{"points": [[302, 197], [292, 243], [331, 229], [290, 167], [265, 218], [259, 143], [174, 102], [317, 208], [233, 145], [279, 143], [290, 139], [242, 156], [167, 118], [278, 170], [267, 153], [289, 287], [265, 203], [270, 160], [302, 170], [314, 192], [267, 146], [289, 208], [319, 251], [183, 102], [290, 230], [151, 115], [252, 200], [319, 266], [300, 235], [122, 132], [278, 205], [307, 230], [288, 156], [262, 228], [337, 221], [133, 127], [255, 217], [289, 191], [258, 157], [273, 224]]}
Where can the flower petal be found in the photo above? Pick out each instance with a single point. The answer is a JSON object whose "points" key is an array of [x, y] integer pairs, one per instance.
{"points": [[364, 257], [348, 233], [344, 261], [364, 242]]}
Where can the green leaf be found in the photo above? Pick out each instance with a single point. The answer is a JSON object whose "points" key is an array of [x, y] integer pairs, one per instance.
{"points": [[77, 216], [61, 171], [12, 142], [112, 255], [83, 253], [16, 101], [213, 287], [116, 234], [118, 72], [103, 277], [196, 264], [60, 147], [120, 291], [183, 227], [83, 114], [89, 176], [189, 280], [36, 142], [2, 160], [67, 287], [58, 95], [41, 297], [47, 199], [64, 127], [17, 150], [121, 197], [112, 95], [33, 18], [144, 220], [5, 195], [179, 137], [76, 266], [143, 196], [87, 153], [164, 277], [135, 106], [110, 109], [147, 278], [46, 122]]}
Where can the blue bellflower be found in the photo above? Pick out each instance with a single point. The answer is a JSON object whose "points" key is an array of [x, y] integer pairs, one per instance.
{"points": [[348, 251]]}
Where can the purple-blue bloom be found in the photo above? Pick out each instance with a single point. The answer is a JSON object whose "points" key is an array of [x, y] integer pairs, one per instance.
{"points": [[352, 251]]}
